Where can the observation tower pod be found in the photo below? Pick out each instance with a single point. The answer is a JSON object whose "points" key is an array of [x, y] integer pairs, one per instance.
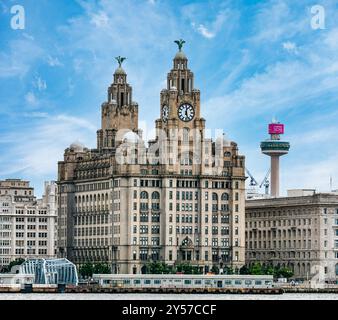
{"points": [[274, 147]]}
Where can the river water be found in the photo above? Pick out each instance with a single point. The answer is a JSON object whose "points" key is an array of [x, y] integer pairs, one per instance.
{"points": [[146, 296]]}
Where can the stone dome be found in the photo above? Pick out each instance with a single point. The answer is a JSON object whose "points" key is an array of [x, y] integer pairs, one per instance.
{"points": [[119, 70], [77, 146], [180, 55]]}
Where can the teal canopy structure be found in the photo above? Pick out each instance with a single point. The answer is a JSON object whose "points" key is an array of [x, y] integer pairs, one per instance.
{"points": [[50, 271]]}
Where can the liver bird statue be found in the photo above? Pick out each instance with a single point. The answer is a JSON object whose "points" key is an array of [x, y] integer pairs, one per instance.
{"points": [[180, 44], [120, 60]]}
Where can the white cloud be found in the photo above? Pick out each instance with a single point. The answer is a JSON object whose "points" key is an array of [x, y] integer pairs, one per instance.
{"points": [[205, 32], [290, 47], [331, 39], [35, 153], [19, 58], [215, 27], [326, 135], [100, 20], [35, 114], [31, 99], [78, 122], [315, 174], [234, 71], [53, 61], [281, 86], [40, 84], [78, 64], [276, 20], [28, 36]]}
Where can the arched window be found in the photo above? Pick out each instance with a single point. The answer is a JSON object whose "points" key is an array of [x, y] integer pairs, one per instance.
{"points": [[155, 195], [225, 196], [187, 242], [185, 134], [185, 159], [144, 195], [214, 196]]}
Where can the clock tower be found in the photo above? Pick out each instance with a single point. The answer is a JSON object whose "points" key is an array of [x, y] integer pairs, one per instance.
{"points": [[180, 101], [119, 113]]}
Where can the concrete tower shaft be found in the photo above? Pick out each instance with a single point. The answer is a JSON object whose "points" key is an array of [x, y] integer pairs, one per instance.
{"points": [[275, 148], [274, 175]]}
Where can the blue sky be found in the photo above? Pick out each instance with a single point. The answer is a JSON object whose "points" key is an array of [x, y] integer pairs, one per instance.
{"points": [[253, 60]]}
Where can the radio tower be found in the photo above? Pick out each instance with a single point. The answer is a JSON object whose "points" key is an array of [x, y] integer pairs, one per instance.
{"points": [[275, 148]]}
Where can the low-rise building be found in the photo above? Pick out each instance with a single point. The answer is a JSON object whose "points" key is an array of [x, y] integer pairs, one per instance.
{"points": [[299, 231], [27, 224]]}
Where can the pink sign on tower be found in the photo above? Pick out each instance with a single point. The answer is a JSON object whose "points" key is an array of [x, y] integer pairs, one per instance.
{"points": [[276, 128]]}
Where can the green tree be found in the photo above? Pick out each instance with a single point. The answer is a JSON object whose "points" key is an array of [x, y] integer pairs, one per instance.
{"points": [[228, 270], [256, 269], [196, 270], [101, 268], [284, 273], [269, 270], [244, 270], [156, 267], [12, 264], [86, 270], [215, 269], [187, 268]]}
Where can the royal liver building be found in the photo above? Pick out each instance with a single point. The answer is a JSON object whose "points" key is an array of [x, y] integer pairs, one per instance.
{"points": [[177, 199]]}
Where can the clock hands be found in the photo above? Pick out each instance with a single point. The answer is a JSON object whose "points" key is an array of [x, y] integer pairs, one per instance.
{"points": [[186, 112]]}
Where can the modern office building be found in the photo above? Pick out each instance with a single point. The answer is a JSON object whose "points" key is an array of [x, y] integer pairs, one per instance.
{"points": [[299, 231], [27, 224], [178, 199]]}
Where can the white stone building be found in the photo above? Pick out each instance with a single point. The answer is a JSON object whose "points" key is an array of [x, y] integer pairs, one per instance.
{"points": [[299, 231], [27, 224]]}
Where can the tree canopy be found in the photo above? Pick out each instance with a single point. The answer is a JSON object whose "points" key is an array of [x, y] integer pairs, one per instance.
{"points": [[258, 269], [12, 264]]}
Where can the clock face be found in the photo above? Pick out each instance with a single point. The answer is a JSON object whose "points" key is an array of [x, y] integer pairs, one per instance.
{"points": [[165, 112], [186, 112]]}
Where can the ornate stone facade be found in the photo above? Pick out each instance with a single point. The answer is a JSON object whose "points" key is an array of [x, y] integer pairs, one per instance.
{"points": [[178, 199], [299, 232]]}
